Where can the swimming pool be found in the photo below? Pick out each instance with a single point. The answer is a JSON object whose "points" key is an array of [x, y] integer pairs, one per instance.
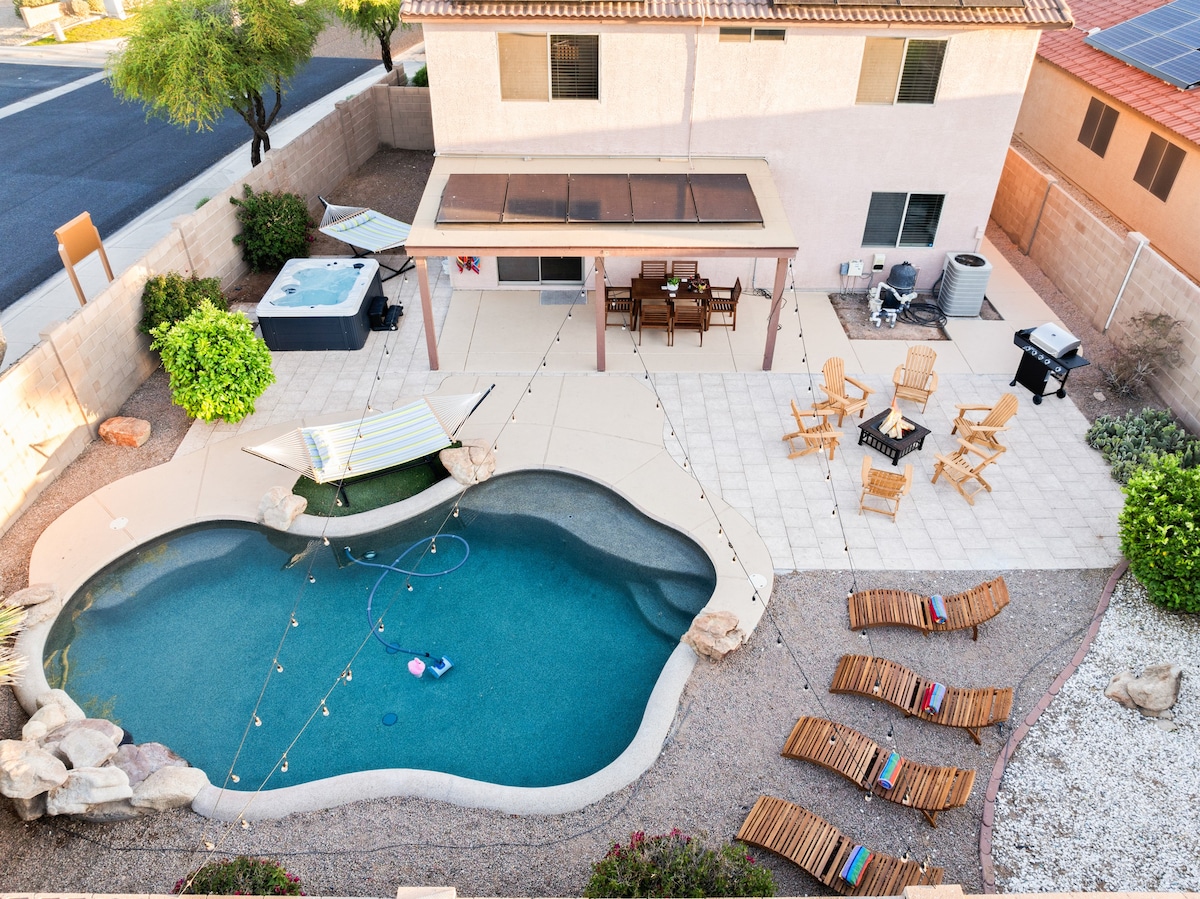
{"points": [[562, 615]]}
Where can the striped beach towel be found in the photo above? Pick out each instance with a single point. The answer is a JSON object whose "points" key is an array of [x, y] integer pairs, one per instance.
{"points": [[937, 609], [932, 701], [856, 864], [887, 775]]}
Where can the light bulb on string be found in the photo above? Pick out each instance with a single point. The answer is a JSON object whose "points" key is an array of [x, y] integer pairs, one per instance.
{"points": [[235, 778], [245, 824], [455, 513], [433, 546], [295, 623], [278, 667], [257, 721], [284, 765], [311, 579], [210, 845], [381, 627], [325, 540], [325, 708]]}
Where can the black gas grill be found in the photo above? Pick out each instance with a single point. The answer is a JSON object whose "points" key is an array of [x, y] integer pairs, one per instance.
{"points": [[1048, 353]]}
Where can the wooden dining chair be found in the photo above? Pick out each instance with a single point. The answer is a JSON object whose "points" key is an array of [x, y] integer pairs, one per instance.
{"points": [[619, 301], [653, 268], [691, 315], [916, 380], [723, 301], [684, 268], [657, 317]]}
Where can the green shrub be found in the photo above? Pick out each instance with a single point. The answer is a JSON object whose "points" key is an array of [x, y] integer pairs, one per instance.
{"points": [[674, 864], [172, 297], [1160, 535], [276, 227], [421, 78], [1129, 443], [217, 366], [240, 876]]}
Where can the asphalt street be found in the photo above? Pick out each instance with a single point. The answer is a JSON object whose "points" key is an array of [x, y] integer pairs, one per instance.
{"points": [[88, 151]]}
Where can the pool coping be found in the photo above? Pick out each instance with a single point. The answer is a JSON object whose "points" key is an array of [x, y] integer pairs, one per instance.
{"points": [[609, 430]]}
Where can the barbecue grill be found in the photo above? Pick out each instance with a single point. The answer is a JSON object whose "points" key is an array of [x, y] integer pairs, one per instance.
{"points": [[1049, 352]]}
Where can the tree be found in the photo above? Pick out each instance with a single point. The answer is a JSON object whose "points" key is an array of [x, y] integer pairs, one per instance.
{"points": [[373, 19], [190, 60]]}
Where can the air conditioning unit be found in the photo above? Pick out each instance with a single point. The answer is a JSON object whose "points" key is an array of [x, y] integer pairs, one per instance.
{"points": [[964, 283]]}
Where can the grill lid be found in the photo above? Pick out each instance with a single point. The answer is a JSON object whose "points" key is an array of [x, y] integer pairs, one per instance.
{"points": [[1053, 339]]}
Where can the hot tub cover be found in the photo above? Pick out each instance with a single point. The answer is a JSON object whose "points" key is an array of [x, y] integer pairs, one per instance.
{"points": [[371, 443]]}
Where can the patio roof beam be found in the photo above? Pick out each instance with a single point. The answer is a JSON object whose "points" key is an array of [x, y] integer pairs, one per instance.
{"points": [[781, 267], [422, 265], [601, 313], [648, 250]]}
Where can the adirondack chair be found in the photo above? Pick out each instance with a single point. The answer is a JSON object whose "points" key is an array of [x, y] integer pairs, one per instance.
{"points": [[916, 380], [963, 473], [887, 486], [837, 396], [812, 438], [984, 432]]}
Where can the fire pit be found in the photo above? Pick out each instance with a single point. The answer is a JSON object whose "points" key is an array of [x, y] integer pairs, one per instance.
{"points": [[876, 433]]}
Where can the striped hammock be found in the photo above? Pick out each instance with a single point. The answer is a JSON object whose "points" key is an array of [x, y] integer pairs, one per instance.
{"points": [[350, 449]]}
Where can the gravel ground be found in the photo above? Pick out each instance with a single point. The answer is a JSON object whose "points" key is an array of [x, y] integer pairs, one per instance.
{"points": [[1097, 797]]}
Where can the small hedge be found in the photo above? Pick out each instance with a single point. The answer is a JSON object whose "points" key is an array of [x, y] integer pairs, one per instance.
{"points": [[1160, 535], [276, 227], [420, 78], [1129, 443], [172, 297], [240, 876], [675, 864]]}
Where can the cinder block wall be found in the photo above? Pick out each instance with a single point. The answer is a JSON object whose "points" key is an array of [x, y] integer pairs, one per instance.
{"points": [[1088, 261], [405, 117], [53, 399]]}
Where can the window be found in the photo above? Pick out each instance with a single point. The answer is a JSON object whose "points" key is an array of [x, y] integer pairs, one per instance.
{"points": [[1097, 127], [745, 35], [1159, 166], [902, 220], [544, 269], [549, 66], [896, 70]]}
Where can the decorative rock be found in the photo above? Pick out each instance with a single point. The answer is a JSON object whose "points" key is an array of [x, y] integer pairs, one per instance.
{"points": [[30, 809], [44, 720], [715, 634], [86, 787], [471, 463], [27, 770], [1167, 726], [1157, 688], [106, 729], [169, 788], [63, 699], [125, 431], [279, 507], [33, 595], [117, 810], [139, 762], [1118, 689], [84, 748]]}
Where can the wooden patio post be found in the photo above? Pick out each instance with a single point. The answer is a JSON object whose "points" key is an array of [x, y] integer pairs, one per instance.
{"points": [[776, 304], [422, 265], [601, 317]]}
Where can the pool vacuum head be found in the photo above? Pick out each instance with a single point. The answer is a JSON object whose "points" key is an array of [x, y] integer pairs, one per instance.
{"points": [[441, 667]]}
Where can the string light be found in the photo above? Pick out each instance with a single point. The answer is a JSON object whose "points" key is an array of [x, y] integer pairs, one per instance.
{"points": [[284, 765], [348, 675], [325, 540], [278, 667], [325, 708], [295, 623], [235, 778], [257, 721], [245, 824], [311, 579]]}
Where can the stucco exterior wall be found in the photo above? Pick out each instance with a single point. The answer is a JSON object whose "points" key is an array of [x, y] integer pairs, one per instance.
{"points": [[1050, 119], [1088, 261], [791, 102]]}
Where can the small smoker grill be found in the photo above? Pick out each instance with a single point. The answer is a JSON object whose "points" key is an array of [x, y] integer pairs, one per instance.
{"points": [[1048, 352]]}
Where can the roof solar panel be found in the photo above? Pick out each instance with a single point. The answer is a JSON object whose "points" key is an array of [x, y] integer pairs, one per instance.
{"points": [[599, 198], [724, 198], [473, 199], [536, 198], [662, 198], [1162, 42]]}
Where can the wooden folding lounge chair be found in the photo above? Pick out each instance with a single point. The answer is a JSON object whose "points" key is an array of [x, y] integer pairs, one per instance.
{"points": [[814, 437], [984, 432], [366, 232], [890, 682], [916, 380], [837, 397], [901, 608], [723, 301], [860, 760], [819, 848], [965, 477]]}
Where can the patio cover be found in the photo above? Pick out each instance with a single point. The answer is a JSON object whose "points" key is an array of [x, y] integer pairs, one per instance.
{"points": [[373, 443], [772, 238]]}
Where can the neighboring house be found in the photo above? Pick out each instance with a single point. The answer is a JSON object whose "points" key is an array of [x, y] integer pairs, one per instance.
{"points": [[1126, 134], [884, 125]]}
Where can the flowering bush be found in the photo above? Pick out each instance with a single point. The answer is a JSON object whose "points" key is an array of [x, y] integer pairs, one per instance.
{"points": [[675, 864], [240, 876]]}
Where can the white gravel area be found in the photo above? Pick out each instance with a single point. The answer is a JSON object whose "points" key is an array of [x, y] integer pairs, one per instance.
{"points": [[1096, 796]]}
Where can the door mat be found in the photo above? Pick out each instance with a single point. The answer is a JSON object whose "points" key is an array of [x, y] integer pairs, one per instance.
{"points": [[563, 298], [852, 313]]}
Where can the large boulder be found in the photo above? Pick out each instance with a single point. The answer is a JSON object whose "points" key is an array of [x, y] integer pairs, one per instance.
{"points": [[117, 810], [52, 741], [27, 770], [63, 699], [169, 788], [1157, 688], [44, 720], [125, 431], [33, 595], [279, 507], [1118, 689], [84, 748], [715, 634], [87, 787], [139, 762], [471, 463]]}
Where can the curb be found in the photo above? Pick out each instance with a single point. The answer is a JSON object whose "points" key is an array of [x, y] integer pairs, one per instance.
{"points": [[993, 784]]}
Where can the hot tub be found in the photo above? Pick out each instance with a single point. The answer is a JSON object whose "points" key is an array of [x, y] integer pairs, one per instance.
{"points": [[320, 304]]}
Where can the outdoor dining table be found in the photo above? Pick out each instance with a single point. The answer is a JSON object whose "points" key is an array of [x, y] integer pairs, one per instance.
{"points": [[655, 290]]}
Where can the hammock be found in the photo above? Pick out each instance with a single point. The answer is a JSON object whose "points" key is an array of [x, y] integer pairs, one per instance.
{"points": [[366, 231], [354, 448]]}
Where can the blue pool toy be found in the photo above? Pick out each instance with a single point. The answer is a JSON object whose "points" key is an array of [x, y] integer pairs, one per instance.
{"points": [[440, 667]]}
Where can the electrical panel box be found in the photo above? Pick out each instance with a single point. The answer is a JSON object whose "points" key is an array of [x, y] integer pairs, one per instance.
{"points": [[844, 269], [877, 264], [855, 267]]}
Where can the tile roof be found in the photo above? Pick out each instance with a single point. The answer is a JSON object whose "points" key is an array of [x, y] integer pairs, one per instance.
{"points": [[1172, 108], [1037, 13]]}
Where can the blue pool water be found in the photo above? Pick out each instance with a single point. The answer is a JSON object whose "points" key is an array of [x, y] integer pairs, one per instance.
{"points": [[558, 621], [324, 286]]}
